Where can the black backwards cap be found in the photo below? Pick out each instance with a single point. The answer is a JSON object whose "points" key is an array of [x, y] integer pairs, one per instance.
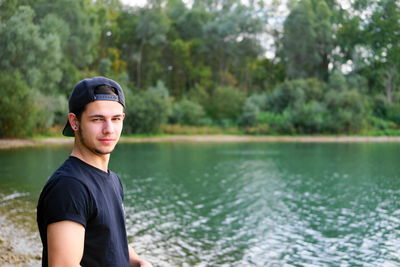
{"points": [[83, 94]]}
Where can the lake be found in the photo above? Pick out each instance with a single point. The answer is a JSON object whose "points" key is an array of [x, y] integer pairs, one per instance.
{"points": [[239, 204]]}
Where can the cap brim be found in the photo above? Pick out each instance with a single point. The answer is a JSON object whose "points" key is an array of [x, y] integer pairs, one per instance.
{"points": [[68, 130]]}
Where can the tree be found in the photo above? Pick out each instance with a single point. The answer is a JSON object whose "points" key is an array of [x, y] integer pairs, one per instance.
{"points": [[17, 106], [151, 30], [109, 61], [383, 34], [187, 23], [231, 25], [34, 53], [265, 74], [179, 66], [76, 23], [308, 40]]}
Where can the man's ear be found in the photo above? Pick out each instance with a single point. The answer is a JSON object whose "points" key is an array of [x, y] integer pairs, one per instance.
{"points": [[73, 121]]}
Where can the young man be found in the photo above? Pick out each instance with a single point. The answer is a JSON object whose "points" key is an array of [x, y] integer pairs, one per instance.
{"points": [[80, 211]]}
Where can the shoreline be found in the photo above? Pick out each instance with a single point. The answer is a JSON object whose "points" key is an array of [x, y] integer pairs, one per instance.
{"points": [[9, 143], [19, 240], [18, 247]]}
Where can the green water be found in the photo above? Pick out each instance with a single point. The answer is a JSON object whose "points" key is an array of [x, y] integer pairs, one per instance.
{"points": [[244, 204]]}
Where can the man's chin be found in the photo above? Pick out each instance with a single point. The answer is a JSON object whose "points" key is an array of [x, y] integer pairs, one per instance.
{"points": [[104, 151]]}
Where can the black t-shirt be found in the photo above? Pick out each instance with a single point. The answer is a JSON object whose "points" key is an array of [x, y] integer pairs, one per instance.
{"points": [[87, 195]]}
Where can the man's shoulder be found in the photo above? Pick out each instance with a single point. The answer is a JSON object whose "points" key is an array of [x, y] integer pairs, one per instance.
{"points": [[65, 170], [67, 173], [60, 181]]}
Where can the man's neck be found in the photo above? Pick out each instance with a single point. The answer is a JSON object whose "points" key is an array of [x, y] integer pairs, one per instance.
{"points": [[96, 160]]}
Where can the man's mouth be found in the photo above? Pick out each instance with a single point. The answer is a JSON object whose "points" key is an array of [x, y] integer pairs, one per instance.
{"points": [[106, 140]]}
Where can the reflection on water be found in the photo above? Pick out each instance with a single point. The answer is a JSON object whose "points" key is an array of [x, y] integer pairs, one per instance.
{"points": [[257, 205], [251, 204]]}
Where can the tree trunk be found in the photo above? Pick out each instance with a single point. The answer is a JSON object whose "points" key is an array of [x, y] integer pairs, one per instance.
{"points": [[139, 65], [390, 83]]}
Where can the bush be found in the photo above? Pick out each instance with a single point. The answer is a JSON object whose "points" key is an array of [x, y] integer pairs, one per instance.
{"points": [[251, 108], [379, 105], [186, 112], [53, 111], [308, 118], [296, 107], [60, 108], [377, 123], [276, 122], [393, 112], [199, 95], [226, 104], [18, 108], [146, 112], [347, 111], [294, 93], [160, 89], [249, 114], [285, 95]]}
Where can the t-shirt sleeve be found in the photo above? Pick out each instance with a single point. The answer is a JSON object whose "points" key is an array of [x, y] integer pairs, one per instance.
{"points": [[67, 199]]}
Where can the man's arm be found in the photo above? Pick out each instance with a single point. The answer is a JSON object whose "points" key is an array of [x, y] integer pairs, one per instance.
{"points": [[137, 261], [65, 241]]}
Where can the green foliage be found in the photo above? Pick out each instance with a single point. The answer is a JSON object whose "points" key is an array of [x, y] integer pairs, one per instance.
{"points": [[277, 123], [301, 102], [309, 118], [265, 74], [201, 75], [226, 104], [76, 24], [24, 48], [179, 66], [335, 71], [393, 112], [308, 39], [146, 112], [307, 107], [381, 124], [151, 29], [186, 112], [160, 90], [18, 111], [294, 94], [199, 95], [348, 111], [251, 109], [383, 38], [249, 114]]}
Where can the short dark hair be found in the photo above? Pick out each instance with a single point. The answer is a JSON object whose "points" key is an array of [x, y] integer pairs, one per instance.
{"points": [[104, 90], [101, 89]]}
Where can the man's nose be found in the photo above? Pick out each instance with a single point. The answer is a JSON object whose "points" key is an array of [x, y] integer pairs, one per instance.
{"points": [[108, 127]]}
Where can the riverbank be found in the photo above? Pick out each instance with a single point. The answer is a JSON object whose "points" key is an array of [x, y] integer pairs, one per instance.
{"points": [[15, 143], [19, 239], [18, 247]]}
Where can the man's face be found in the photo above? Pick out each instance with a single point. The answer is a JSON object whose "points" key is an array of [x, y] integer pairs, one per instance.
{"points": [[100, 126]]}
